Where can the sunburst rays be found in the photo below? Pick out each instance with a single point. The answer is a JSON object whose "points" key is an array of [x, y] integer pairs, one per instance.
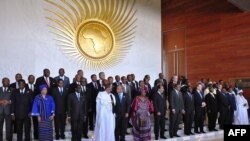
{"points": [[117, 15]]}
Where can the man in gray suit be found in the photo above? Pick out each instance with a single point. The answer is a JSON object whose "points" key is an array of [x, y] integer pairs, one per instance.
{"points": [[176, 109], [63, 77], [5, 109], [126, 87]]}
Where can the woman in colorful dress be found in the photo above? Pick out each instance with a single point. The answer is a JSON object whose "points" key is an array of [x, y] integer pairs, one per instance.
{"points": [[140, 120], [44, 108]]}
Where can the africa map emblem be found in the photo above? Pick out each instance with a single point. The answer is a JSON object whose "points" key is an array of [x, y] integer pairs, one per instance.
{"points": [[96, 34]]}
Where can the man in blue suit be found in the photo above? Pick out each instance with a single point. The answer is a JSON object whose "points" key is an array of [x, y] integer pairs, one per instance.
{"points": [[63, 77]]}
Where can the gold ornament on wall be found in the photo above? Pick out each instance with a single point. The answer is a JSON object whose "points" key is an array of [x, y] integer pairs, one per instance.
{"points": [[97, 34]]}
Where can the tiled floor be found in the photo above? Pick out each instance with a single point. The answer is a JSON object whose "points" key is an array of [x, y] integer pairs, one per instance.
{"points": [[208, 136]]}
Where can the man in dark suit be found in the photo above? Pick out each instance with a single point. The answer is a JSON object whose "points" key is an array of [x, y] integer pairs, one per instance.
{"points": [[93, 88], [164, 83], [15, 84], [73, 85], [231, 98], [5, 109], [86, 94], [126, 87], [224, 107], [62, 76], [188, 100], [122, 112], [160, 108], [77, 112], [31, 84], [200, 105], [176, 110], [212, 109], [21, 110], [100, 82], [116, 83], [136, 84], [60, 94], [47, 80]]}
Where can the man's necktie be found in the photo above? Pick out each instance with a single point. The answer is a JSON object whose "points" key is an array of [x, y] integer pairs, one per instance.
{"points": [[120, 96], [47, 81]]}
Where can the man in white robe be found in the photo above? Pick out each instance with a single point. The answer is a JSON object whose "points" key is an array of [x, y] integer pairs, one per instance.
{"points": [[105, 117], [241, 115]]}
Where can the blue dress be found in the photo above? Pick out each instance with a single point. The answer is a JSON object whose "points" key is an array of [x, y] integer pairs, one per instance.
{"points": [[44, 107]]}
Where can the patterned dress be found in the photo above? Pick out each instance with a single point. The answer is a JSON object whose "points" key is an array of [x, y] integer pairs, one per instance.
{"points": [[44, 107], [141, 119]]}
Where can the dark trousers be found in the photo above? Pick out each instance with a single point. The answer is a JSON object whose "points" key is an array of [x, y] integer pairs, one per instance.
{"points": [[60, 120], [35, 127], [7, 119], [121, 123], [76, 129], [26, 122], [85, 127], [13, 122], [212, 117], [231, 117], [159, 125], [91, 117], [188, 121], [199, 118], [174, 123], [223, 119]]}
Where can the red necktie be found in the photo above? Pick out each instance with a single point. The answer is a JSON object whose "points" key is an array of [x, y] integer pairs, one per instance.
{"points": [[47, 81]]}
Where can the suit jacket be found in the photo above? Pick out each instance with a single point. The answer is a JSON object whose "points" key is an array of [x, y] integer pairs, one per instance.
{"points": [[72, 87], [77, 109], [100, 88], [93, 92], [223, 102], [127, 91], [211, 103], [60, 100], [14, 85], [66, 81], [115, 84], [159, 102], [176, 101], [123, 106], [198, 102], [22, 103], [6, 109], [188, 102], [41, 81], [232, 102]]}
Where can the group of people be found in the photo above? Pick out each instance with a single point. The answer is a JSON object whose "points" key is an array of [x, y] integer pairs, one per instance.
{"points": [[109, 107]]}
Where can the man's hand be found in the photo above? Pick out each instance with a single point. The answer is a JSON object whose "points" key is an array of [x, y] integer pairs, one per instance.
{"points": [[51, 117], [158, 113], [203, 104], [12, 116], [183, 111], [126, 115], [173, 111], [39, 119]]}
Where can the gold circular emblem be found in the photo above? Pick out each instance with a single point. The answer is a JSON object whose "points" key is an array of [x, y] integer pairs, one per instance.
{"points": [[96, 34], [94, 39]]}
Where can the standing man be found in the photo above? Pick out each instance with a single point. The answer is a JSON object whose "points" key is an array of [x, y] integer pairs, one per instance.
{"points": [[164, 83], [160, 106], [77, 112], [15, 84], [188, 100], [73, 85], [21, 110], [5, 109], [47, 80], [126, 87], [62, 76], [116, 83], [224, 107], [93, 87], [212, 109], [60, 94], [135, 82], [200, 105], [31, 84], [122, 113], [177, 108], [100, 82]]}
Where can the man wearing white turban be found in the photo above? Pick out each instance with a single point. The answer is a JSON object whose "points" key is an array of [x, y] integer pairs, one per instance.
{"points": [[241, 116]]}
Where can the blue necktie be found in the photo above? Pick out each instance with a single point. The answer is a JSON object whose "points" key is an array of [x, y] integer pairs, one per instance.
{"points": [[120, 96]]}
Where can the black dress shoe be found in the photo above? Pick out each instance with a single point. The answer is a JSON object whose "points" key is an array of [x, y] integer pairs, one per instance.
{"points": [[127, 133], [177, 135], [203, 132], [215, 130], [156, 138], [63, 137], [57, 137], [163, 137], [165, 129], [191, 133], [187, 134], [85, 136], [197, 132]]}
